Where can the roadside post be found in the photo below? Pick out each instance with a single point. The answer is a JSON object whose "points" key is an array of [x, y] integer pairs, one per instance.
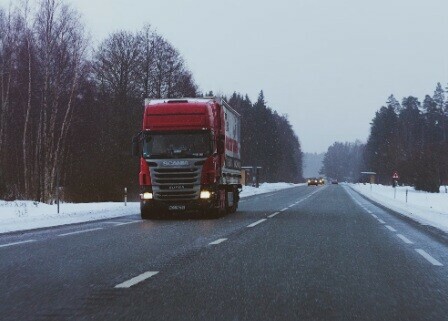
{"points": [[125, 196], [406, 195], [57, 189], [395, 179]]}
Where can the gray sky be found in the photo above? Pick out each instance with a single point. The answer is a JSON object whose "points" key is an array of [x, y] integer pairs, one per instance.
{"points": [[328, 64]]}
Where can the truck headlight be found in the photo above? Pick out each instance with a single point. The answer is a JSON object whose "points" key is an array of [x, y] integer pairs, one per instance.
{"points": [[146, 196], [205, 195]]}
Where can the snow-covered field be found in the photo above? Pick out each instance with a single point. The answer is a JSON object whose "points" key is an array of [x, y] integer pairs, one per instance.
{"points": [[426, 208], [27, 215]]}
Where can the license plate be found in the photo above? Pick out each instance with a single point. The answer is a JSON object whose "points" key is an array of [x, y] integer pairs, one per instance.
{"points": [[176, 207]]}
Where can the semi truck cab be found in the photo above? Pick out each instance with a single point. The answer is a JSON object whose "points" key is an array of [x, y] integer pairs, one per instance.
{"points": [[189, 153]]}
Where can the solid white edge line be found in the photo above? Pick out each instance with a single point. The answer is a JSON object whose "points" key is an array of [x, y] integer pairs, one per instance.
{"points": [[381, 221], [257, 222], [17, 243], [283, 209], [428, 257], [137, 279], [81, 231], [217, 241], [390, 228], [272, 215], [405, 239], [126, 223]]}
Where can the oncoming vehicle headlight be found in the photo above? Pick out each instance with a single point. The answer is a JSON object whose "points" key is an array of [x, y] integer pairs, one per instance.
{"points": [[205, 195], [147, 196]]}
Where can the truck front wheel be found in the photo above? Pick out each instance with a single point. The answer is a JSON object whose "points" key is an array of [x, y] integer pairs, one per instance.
{"points": [[146, 213]]}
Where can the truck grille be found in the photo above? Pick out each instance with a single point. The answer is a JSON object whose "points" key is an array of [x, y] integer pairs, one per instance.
{"points": [[176, 184]]}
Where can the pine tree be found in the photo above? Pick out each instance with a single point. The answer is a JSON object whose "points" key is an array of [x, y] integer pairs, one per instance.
{"points": [[394, 103]]}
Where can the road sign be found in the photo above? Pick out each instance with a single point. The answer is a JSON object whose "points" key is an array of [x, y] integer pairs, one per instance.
{"points": [[395, 175]]}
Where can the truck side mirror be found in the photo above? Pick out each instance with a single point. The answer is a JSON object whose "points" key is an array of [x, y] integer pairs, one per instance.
{"points": [[136, 144], [221, 144]]}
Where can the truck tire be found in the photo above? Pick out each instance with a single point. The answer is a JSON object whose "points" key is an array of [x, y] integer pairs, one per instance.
{"points": [[232, 209], [147, 214], [215, 213]]}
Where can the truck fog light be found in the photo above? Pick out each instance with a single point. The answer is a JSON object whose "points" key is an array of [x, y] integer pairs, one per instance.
{"points": [[205, 195], [146, 196]]}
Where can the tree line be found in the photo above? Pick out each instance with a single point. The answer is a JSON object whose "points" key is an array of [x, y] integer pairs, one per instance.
{"points": [[344, 161], [411, 138], [268, 140], [68, 111]]}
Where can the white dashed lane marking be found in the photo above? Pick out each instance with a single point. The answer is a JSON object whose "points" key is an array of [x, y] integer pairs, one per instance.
{"points": [[422, 252], [137, 279], [272, 215], [257, 222], [405, 239], [217, 241], [390, 228], [428, 257]]}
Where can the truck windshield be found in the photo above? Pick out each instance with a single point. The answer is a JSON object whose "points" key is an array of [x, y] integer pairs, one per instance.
{"points": [[177, 145]]}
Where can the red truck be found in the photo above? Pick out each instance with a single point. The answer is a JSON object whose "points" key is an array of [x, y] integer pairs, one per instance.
{"points": [[190, 160]]}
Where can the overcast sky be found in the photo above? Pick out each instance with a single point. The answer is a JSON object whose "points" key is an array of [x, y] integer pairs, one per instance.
{"points": [[328, 64]]}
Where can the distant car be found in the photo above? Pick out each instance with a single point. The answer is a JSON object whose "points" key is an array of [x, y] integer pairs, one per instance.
{"points": [[334, 181], [313, 181], [321, 181]]}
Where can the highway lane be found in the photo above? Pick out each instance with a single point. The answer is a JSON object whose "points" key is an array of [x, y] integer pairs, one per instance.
{"points": [[58, 267], [303, 253]]}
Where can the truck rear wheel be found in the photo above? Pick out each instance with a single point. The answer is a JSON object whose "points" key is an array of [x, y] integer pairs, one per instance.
{"points": [[232, 208]]}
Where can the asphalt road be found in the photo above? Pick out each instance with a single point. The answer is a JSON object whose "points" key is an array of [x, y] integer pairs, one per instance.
{"points": [[306, 253]]}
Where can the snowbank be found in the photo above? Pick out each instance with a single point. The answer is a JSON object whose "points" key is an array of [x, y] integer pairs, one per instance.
{"points": [[27, 215], [426, 208], [266, 188]]}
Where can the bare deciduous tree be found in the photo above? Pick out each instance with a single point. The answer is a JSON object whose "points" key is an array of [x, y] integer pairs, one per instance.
{"points": [[60, 47]]}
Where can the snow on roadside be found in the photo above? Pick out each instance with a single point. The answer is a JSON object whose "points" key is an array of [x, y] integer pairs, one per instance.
{"points": [[266, 188], [425, 208], [28, 215]]}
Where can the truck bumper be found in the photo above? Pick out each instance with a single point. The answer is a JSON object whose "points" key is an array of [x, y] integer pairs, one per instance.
{"points": [[176, 206]]}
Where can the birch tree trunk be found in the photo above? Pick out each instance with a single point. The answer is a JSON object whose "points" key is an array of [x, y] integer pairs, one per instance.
{"points": [[62, 50]]}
